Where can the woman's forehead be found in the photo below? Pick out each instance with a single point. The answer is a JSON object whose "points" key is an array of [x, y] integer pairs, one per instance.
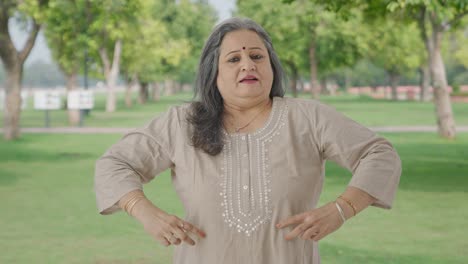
{"points": [[241, 39]]}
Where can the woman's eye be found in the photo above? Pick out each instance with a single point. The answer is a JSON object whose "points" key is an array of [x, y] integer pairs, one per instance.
{"points": [[256, 57], [234, 59]]}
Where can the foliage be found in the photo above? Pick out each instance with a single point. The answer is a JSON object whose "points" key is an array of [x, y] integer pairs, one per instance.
{"points": [[66, 33], [396, 47], [189, 22], [292, 27]]}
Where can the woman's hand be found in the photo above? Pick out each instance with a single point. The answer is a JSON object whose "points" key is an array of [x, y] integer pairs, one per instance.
{"points": [[165, 228], [314, 224]]}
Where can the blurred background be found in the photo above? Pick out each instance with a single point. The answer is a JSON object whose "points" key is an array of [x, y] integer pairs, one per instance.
{"points": [[77, 74]]}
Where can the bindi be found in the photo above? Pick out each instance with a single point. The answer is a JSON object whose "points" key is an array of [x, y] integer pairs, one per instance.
{"points": [[243, 48]]}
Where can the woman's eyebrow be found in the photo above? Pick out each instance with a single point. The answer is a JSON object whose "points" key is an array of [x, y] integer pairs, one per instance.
{"points": [[240, 50]]}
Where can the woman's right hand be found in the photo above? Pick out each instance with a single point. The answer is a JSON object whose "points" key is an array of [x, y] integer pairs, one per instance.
{"points": [[165, 228]]}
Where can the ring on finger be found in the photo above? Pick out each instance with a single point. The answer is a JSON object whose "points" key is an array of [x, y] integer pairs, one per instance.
{"points": [[314, 234], [172, 239]]}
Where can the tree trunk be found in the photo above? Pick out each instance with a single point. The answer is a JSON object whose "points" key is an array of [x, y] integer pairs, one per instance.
{"points": [[178, 87], [301, 85], [13, 61], [12, 108], [143, 95], [394, 79], [443, 105], [128, 92], [168, 87], [293, 85], [314, 83], [323, 86], [424, 82], [293, 79], [131, 83], [73, 114], [111, 71], [156, 92], [347, 80]]}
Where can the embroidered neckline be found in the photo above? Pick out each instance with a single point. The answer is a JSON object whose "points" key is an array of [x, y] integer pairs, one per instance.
{"points": [[245, 180]]}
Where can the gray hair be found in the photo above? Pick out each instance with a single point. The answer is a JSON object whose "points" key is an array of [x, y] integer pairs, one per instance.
{"points": [[207, 108]]}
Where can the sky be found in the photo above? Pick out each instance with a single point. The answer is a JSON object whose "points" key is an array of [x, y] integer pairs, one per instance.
{"points": [[42, 52]]}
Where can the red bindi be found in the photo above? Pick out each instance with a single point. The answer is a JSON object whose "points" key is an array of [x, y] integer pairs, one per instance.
{"points": [[243, 48]]}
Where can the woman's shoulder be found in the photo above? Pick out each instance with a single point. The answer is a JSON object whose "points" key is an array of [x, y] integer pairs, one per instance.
{"points": [[174, 117], [303, 105]]}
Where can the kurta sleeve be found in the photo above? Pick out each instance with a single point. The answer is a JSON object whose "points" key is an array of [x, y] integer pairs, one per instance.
{"points": [[374, 163], [136, 159]]}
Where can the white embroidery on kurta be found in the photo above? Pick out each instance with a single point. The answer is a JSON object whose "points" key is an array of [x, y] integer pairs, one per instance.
{"points": [[247, 205]]}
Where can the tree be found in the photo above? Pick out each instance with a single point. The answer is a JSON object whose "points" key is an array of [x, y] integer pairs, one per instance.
{"points": [[435, 18], [395, 47], [65, 31], [193, 22], [110, 22], [30, 12], [189, 22], [305, 30]]}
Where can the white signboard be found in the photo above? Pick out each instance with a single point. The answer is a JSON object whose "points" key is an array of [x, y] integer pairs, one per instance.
{"points": [[47, 100], [80, 99], [24, 100]]}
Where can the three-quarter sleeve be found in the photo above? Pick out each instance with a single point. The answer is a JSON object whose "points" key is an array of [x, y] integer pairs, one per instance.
{"points": [[374, 163], [136, 159]]}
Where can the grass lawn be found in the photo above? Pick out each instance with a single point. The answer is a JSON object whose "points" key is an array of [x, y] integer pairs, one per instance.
{"points": [[365, 110], [48, 212]]}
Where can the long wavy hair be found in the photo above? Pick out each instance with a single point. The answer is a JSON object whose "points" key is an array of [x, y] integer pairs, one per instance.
{"points": [[206, 115]]}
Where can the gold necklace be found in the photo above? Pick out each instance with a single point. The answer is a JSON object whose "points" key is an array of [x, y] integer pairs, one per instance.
{"points": [[237, 129]]}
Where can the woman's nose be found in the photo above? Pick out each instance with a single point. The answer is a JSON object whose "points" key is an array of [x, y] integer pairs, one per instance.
{"points": [[248, 65]]}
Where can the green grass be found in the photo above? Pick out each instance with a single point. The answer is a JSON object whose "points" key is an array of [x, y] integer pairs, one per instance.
{"points": [[365, 110], [48, 212]]}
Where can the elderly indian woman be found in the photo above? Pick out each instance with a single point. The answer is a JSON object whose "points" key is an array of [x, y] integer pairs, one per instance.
{"points": [[247, 163]]}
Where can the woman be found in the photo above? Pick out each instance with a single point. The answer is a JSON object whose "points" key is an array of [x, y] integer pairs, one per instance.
{"points": [[247, 163]]}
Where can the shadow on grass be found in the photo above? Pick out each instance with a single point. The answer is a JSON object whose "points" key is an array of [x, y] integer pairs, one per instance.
{"points": [[18, 153], [434, 167], [363, 99], [338, 254], [7, 177], [428, 167], [34, 155], [178, 99]]}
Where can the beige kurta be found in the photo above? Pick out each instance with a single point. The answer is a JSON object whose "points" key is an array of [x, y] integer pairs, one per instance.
{"points": [[259, 178]]}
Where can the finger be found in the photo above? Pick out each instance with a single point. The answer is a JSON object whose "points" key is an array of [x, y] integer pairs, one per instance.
{"points": [[295, 219], [320, 235], [298, 230], [194, 230], [171, 238], [311, 232], [180, 234], [163, 241]]}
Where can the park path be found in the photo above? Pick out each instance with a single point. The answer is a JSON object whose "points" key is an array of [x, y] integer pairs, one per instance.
{"points": [[123, 130]]}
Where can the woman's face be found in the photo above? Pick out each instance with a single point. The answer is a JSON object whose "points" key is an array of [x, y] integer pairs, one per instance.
{"points": [[244, 72]]}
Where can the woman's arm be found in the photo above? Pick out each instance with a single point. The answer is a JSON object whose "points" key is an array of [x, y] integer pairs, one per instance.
{"points": [[163, 227], [354, 200]]}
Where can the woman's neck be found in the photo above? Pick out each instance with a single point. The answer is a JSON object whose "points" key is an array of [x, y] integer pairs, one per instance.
{"points": [[246, 118]]}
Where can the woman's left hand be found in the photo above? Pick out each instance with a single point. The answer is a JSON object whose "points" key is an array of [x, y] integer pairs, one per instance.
{"points": [[314, 224]]}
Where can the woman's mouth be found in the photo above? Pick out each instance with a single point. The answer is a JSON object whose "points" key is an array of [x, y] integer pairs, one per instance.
{"points": [[249, 79]]}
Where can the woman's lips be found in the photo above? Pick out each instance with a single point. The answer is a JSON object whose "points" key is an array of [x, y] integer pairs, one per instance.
{"points": [[249, 79]]}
